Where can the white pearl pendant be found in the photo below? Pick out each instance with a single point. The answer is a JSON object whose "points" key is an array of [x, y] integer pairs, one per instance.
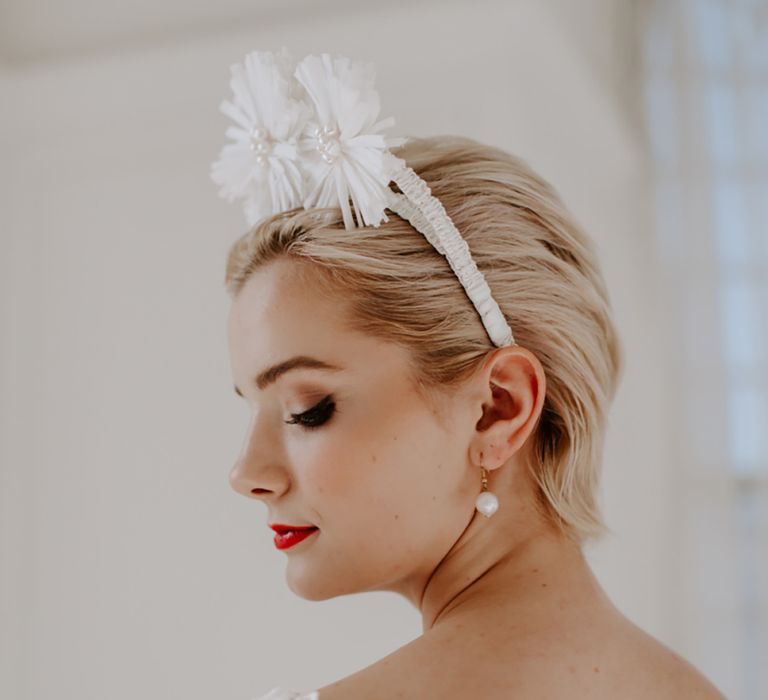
{"points": [[487, 503]]}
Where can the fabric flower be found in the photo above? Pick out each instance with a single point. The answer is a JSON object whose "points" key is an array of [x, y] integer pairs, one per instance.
{"points": [[344, 155], [270, 113]]}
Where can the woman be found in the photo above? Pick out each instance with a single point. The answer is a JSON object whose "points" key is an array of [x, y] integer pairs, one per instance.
{"points": [[418, 458]]}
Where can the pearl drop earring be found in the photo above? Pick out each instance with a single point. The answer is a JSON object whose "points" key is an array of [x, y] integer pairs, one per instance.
{"points": [[486, 503]]}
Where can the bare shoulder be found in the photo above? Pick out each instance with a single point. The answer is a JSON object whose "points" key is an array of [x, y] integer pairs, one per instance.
{"points": [[404, 674], [603, 662], [610, 659], [661, 672]]}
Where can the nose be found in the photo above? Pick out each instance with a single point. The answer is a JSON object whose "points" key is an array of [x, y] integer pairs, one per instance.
{"points": [[244, 482], [256, 473]]}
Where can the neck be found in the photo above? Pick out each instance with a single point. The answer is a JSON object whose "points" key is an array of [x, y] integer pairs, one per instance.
{"points": [[477, 576], [515, 559]]}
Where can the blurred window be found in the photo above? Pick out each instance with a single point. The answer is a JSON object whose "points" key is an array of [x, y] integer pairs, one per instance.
{"points": [[706, 90]]}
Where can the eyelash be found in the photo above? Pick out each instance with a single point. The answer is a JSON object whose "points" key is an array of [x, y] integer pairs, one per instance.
{"points": [[316, 416]]}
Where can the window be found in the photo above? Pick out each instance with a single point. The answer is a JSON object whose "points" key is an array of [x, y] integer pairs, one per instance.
{"points": [[706, 70]]}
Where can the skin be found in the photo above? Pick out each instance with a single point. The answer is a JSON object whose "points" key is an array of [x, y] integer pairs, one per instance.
{"points": [[510, 607]]}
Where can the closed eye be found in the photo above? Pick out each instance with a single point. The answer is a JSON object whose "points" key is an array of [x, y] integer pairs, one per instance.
{"points": [[316, 416]]}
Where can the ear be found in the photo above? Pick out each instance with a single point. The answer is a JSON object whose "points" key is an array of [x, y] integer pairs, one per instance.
{"points": [[511, 387]]}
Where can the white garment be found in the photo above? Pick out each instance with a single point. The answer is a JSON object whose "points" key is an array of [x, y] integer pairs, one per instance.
{"points": [[283, 694]]}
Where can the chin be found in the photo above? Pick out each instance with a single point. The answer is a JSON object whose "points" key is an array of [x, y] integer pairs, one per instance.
{"points": [[304, 585]]}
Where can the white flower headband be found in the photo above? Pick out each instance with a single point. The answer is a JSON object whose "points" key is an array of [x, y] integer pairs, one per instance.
{"points": [[306, 135]]}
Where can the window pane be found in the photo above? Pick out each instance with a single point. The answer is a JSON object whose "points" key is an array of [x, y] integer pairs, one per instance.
{"points": [[742, 324], [756, 115], [722, 127], [710, 21], [732, 230], [747, 421], [759, 196]]}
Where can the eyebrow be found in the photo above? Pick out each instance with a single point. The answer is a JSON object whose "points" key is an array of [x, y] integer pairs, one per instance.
{"points": [[272, 374]]}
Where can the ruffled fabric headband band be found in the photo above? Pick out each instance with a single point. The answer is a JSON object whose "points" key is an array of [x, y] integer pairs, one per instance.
{"points": [[306, 135]]}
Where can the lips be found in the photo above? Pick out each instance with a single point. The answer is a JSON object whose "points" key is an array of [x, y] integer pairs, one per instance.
{"points": [[281, 529], [290, 535]]}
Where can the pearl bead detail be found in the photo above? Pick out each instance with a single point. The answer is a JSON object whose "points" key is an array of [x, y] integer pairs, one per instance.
{"points": [[260, 144], [487, 503], [328, 145]]}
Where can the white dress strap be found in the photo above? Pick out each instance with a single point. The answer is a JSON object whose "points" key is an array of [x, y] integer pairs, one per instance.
{"points": [[284, 694]]}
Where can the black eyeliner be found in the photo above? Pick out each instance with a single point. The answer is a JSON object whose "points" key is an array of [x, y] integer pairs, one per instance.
{"points": [[307, 419]]}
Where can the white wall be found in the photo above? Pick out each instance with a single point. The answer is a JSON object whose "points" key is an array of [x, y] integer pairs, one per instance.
{"points": [[129, 567]]}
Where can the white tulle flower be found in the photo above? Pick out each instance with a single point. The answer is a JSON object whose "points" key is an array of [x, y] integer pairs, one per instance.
{"points": [[263, 166], [344, 155], [306, 135]]}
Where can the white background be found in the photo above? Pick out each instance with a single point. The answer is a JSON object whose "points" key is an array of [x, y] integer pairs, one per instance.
{"points": [[129, 567]]}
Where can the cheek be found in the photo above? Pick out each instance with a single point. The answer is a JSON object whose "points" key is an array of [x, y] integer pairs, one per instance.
{"points": [[390, 468], [326, 474], [359, 472], [394, 471]]}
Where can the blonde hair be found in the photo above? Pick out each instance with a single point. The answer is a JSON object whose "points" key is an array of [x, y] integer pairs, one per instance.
{"points": [[542, 270]]}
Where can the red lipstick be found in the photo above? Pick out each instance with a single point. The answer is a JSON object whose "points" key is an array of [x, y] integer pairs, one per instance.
{"points": [[288, 535]]}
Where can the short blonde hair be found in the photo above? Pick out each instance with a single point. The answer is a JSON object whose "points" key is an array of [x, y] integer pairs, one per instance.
{"points": [[542, 270]]}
